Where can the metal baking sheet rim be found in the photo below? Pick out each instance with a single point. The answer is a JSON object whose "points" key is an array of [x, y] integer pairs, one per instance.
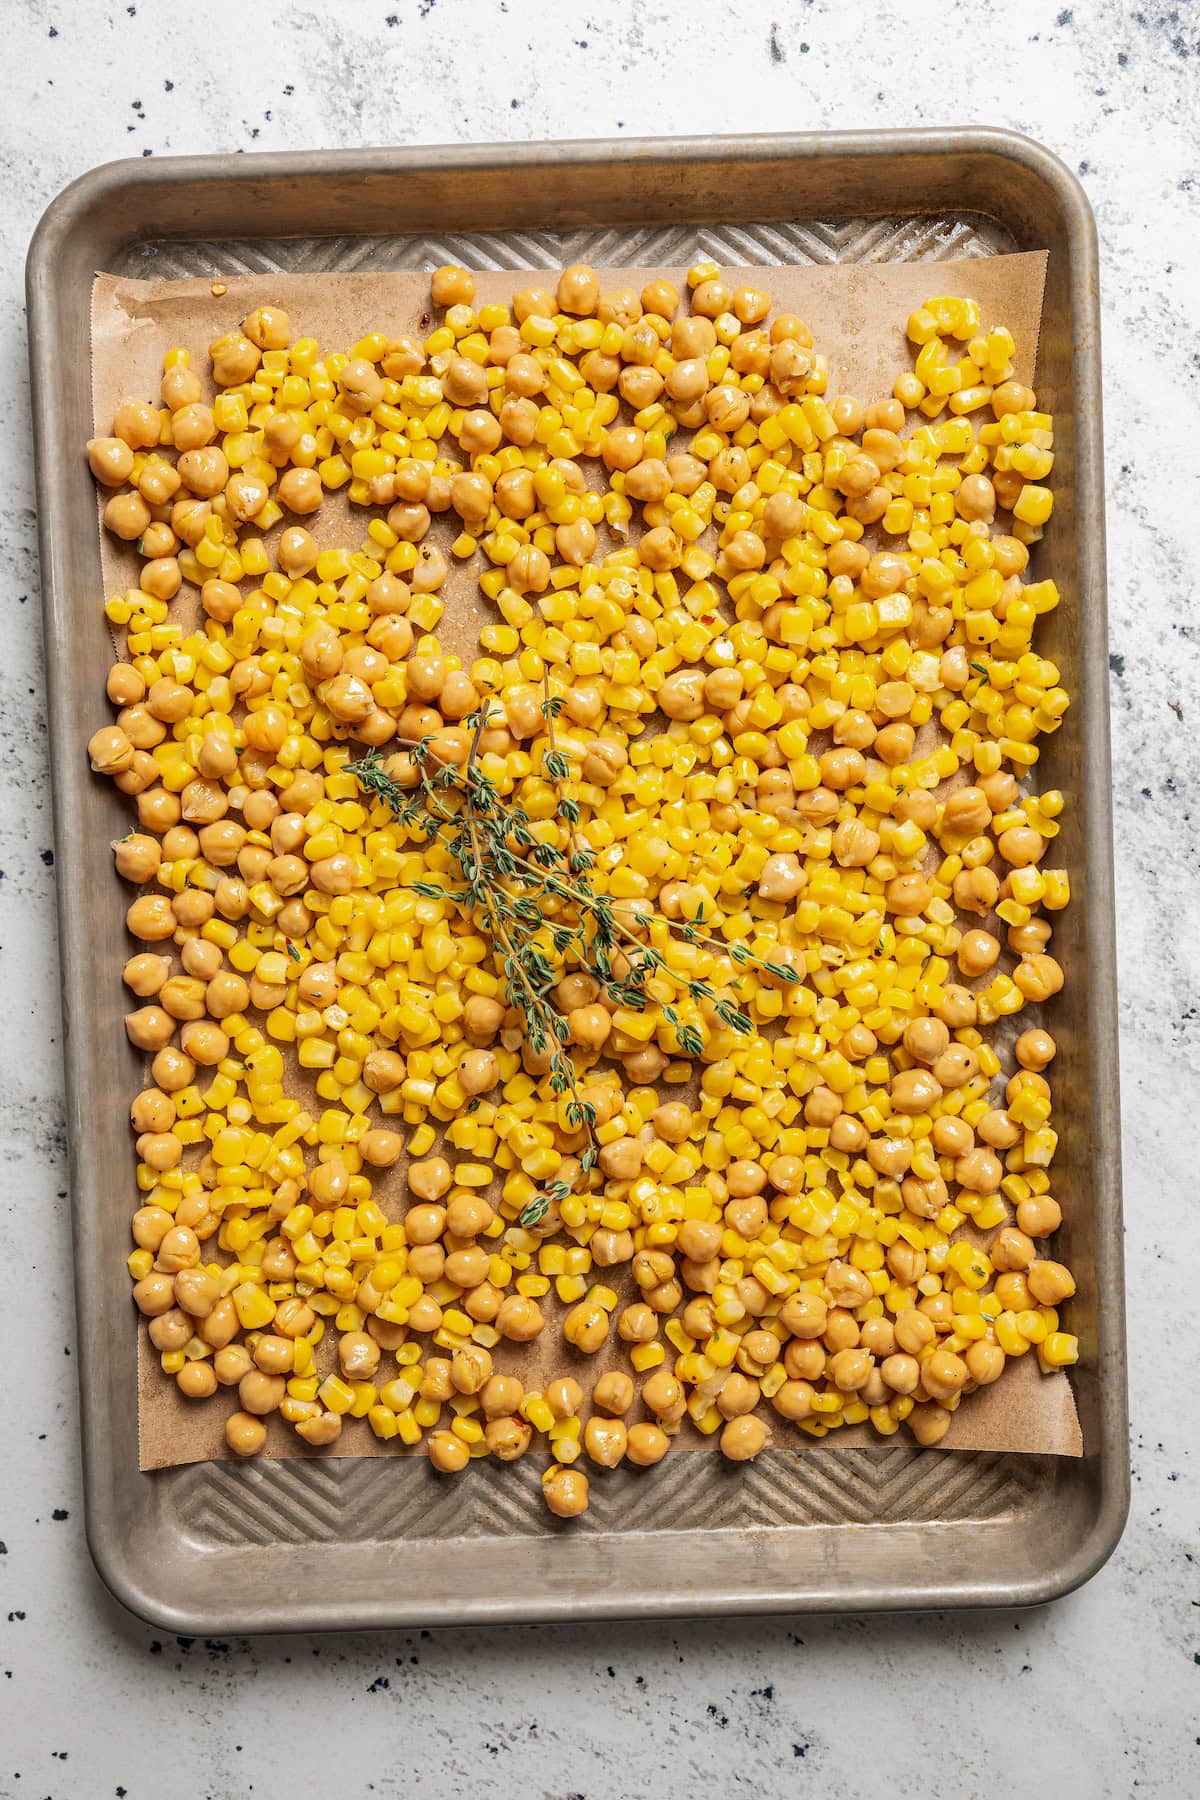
{"points": [[120, 204]]}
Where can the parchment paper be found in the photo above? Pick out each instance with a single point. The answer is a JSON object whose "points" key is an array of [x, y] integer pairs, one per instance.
{"points": [[857, 315]]}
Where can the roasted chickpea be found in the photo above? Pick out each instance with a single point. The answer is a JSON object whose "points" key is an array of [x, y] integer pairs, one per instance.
{"points": [[943, 1374], [565, 1492], [743, 1438], [646, 1444], [519, 1319], [245, 1434]]}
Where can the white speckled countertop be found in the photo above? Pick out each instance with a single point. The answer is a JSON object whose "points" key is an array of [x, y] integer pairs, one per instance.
{"points": [[1091, 1698]]}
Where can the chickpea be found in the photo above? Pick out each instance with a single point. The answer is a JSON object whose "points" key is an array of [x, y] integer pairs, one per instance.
{"points": [[926, 1039], [604, 761], [929, 1424], [447, 1453], [591, 1026], [452, 286], [804, 1315], [470, 1369], [319, 1428], [1011, 1249], [507, 1437], [204, 1043], [939, 1309], [467, 1215], [1038, 977], [743, 1438], [639, 386], [977, 952], [902, 1373], [111, 458], [565, 1492], [914, 1330], [137, 858], [519, 1319], [998, 1130], [234, 358], [638, 1324], [585, 1327], [172, 1070], [244, 1434], [1050, 1283], [358, 1356], [918, 806], [952, 1136], [914, 1091], [149, 1028], [424, 1224], [231, 1361], [1021, 846], [894, 744], [663, 1395], [274, 1355], [1039, 1216], [743, 1179], [154, 1294], [109, 750], [1012, 1291], [1029, 939], [1035, 1049], [855, 844], [205, 472], [847, 1133], [786, 1174], [1012, 396], [976, 890], [381, 1149], [196, 1291], [361, 385], [791, 366], [907, 895], [196, 1380], [161, 575], [890, 1156], [957, 1006], [782, 877], [299, 491], [849, 1369], [261, 1393], [611, 1248], [193, 427], [501, 1394], [943, 1374], [956, 1066], [150, 1226], [613, 1393], [646, 1444], [605, 1440]]}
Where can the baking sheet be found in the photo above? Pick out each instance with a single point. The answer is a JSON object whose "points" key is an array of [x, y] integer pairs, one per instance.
{"points": [[857, 315]]}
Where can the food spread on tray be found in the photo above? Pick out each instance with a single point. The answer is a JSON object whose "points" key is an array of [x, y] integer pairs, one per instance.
{"points": [[641, 979]]}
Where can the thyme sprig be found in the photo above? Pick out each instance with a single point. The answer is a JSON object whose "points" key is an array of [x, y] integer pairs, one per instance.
{"points": [[536, 902]]}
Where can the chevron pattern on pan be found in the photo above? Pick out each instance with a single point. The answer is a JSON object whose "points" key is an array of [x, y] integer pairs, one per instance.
{"points": [[926, 238], [365, 1500]]}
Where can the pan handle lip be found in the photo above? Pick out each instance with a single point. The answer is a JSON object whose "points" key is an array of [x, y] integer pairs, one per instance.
{"points": [[147, 174]]}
